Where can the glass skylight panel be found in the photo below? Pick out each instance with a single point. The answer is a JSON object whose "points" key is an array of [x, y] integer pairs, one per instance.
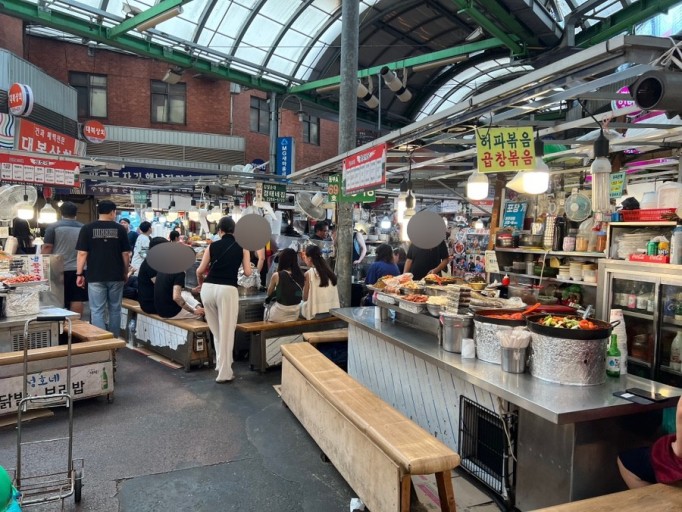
{"points": [[219, 42], [251, 54], [178, 27], [279, 10], [310, 21], [231, 22], [261, 33], [327, 6]]}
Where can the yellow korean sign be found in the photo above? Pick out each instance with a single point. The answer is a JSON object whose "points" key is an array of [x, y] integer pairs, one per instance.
{"points": [[505, 149]]}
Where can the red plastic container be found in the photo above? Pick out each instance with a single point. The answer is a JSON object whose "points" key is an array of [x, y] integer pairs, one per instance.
{"points": [[652, 214]]}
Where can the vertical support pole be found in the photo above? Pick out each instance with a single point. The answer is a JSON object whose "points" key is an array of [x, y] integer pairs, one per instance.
{"points": [[348, 104], [274, 132]]}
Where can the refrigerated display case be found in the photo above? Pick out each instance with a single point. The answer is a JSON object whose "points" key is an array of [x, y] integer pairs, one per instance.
{"points": [[648, 294]]}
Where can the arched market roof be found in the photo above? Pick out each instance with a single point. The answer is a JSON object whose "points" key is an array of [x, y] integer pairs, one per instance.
{"points": [[445, 49]]}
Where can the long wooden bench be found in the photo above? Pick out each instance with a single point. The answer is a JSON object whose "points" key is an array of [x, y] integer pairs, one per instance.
{"points": [[183, 341], [657, 497], [374, 447], [265, 337], [83, 331], [92, 372], [333, 336]]}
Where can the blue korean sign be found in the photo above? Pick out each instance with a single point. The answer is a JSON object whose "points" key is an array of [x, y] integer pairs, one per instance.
{"points": [[513, 215], [286, 150]]}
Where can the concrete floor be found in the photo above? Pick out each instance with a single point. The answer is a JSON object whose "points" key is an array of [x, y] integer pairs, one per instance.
{"points": [[176, 441]]}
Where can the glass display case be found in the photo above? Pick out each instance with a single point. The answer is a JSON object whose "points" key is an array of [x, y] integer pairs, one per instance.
{"points": [[650, 297]]}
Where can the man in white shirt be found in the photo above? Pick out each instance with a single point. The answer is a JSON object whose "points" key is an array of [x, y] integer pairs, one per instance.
{"points": [[141, 245]]}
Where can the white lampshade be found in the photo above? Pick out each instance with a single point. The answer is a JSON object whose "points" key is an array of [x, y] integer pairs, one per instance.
{"points": [[600, 164], [193, 211], [516, 183], [214, 214], [172, 214], [236, 213], [25, 211], [47, 214], [477, 186], [385, 223]]}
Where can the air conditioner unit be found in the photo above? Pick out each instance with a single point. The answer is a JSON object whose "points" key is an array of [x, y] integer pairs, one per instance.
{"points": [[172, 76]]}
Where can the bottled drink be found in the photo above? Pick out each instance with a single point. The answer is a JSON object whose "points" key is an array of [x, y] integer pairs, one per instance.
{"points": [[676, 245], [642, 298], [676, 352], [650, 302], [632, 298], [105, 379], [613, 358]]}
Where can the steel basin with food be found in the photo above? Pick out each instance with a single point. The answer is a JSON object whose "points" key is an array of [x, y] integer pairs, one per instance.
{"points": [[572, 356], [485, 333]]}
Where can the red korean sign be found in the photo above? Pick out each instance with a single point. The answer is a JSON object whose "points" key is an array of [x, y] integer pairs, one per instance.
{"points": [[365, 170], [94, 132], [39, 139], [20, 100], [26, 169]]}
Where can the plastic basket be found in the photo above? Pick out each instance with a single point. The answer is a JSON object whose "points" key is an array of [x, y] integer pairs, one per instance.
{"points": [[652, 214]]}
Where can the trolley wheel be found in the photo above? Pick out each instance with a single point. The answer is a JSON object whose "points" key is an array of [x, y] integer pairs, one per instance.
{"points": [[77, 486], [110, 398]]}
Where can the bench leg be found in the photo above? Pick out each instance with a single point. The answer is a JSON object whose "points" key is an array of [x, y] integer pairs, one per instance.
{"points": [[405, 494], [445, 492]]}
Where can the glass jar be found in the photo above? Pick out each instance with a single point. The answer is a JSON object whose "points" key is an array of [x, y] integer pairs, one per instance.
{"points": [[600, 244], [569, 242], [582, 241]]}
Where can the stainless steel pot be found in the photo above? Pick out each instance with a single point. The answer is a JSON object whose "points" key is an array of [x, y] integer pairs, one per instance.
{"points": [[455, 328]]}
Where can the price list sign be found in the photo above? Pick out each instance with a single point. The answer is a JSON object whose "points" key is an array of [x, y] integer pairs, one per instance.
{"points": [[505, 149], [271, 192], [365, 170]]}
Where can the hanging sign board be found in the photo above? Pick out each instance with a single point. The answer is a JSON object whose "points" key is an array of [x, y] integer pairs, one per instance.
{"points": [[286, 152], [94, 131], [505, 149], [271, 192], [39, 139], [365, 170], [513, 215], [335, 192], [20, 100], [107, 190], [617, 185], [26, 169], [139, 197]]}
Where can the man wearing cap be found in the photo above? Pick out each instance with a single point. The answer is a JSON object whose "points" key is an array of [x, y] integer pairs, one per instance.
{"points": [[103, 245]]}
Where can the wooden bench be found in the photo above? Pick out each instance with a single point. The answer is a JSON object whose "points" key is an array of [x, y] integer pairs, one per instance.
{"points": [[83, 331], [374, 447], [657, 497], [333, 336], [265, 337], [183, 341], [92, 372]]}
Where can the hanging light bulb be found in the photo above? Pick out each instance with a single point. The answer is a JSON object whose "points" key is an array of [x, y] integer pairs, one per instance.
{"points": [[47, 214], [60, 203], [400, 202], [535, 180], [385, 223], [215, 214], [477, 186], [148, 212], [193, 212], [601, 176], [25, 209], [172, 214], [236, 213], [410, 201]]}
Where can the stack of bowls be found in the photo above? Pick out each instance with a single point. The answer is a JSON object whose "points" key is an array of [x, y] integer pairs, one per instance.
{"points": [[576, 270], [564, 273]]}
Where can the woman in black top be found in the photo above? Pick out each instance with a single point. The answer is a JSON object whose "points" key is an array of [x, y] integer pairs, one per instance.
{"points": [[285, 289], [146, 277], [219, 293]]}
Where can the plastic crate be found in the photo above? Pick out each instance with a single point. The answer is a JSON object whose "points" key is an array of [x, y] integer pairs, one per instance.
{"points": [[652, 214]]}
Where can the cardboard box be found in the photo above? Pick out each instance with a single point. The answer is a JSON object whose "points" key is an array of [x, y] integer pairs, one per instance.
{"points": [[650, 259]]}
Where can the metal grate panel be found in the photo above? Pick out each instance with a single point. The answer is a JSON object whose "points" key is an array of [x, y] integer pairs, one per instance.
{"points": [[37, 339], [487, 452]]}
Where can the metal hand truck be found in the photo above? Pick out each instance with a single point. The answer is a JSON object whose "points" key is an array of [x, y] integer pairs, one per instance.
{"points": [[42, 488]]}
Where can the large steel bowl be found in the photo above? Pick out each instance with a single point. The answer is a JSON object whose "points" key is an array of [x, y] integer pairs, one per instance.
{"points": [[602, 332]]}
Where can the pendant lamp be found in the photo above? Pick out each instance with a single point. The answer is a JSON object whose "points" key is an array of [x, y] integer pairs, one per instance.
{"points": [[477, 186]]}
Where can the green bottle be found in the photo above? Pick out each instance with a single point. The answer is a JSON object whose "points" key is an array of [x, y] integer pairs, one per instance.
{"points": [[613, 358], [105, 379]]}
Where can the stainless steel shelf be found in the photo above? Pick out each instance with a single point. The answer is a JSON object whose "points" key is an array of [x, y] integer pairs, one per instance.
{"points": [[576, 254], [547, 279], [636, 314]]}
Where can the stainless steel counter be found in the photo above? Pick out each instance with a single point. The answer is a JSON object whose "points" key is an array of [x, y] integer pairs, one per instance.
{"points": [[16, 321], [558, 404]]}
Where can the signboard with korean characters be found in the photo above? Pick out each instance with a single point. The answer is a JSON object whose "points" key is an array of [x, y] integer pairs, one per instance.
{"points": [[271, 192], [94, 131], [365, 170], [40, 139], [505, 149], [286, 153], [617, 185], [513, 215], [336, 194], [20, 100], [24, 169]]}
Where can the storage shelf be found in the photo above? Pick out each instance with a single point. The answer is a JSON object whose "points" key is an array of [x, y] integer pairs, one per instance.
{"points": [[667, 369], [646, 223], [552, 253], [672, 322], [636, 314], [547, 279]]}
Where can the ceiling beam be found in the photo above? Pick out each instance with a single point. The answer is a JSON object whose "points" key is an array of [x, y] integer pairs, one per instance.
{"points": [[503, 17], [135, 21], [489, 26], [448, 53], [623, 20]]}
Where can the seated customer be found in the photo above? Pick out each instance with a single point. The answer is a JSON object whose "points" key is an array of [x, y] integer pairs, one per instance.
{"points": [[145, 281], [170, 299], [319, 292], [285, 289], [660, 463]]}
